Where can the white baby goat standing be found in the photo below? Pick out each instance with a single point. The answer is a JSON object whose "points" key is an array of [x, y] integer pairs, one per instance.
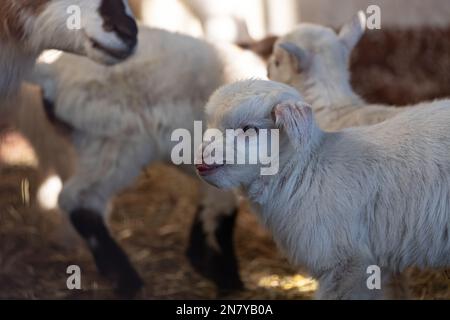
{"points": [[314, 60], [122, 119], [346, 200]]}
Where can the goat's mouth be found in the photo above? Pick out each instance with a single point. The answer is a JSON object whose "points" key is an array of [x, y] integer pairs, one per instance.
{"points": [[207, 169], [119, 54]]}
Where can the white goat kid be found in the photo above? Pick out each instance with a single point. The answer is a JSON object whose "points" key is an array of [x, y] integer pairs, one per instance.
{"points": [[342, 201], [122, 119], [107, 34], [315, 60]]}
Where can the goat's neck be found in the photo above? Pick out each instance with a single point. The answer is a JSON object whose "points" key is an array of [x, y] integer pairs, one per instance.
{"points": [[329, 93], [279, 200]]}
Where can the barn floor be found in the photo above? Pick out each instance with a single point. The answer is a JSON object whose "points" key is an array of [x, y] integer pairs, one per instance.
{"points": [[151, 220]]}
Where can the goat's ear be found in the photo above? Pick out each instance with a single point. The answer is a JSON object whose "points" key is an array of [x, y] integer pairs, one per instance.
{"points": [[300, 57], [296, 120], [353, 31]]}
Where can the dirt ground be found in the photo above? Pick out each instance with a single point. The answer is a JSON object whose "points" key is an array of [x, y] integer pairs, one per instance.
{"points": [[152, 219]]}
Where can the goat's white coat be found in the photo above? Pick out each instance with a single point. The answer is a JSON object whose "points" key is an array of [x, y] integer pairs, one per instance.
{"points": [[375, 195]]}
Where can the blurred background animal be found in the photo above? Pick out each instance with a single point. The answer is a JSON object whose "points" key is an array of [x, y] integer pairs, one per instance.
{"points": [[122, 119], [152, 218]]}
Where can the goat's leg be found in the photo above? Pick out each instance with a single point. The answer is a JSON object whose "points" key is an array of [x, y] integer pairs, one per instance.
{"points": [[110, 258], [211, 249], [105, 167]]}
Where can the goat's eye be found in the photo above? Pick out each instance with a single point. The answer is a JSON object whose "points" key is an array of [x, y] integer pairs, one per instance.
{"points": [[247, 128], [277, 63]]}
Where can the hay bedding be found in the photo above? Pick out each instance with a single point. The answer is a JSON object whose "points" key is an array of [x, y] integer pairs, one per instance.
{"points": [[152, 219]]}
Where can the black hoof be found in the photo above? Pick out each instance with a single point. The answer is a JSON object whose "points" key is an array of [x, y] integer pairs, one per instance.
{"points": [[112, 262], [129, 285], [219, 266]]}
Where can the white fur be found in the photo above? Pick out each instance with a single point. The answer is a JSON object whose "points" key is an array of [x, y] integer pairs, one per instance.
{"points": [[47, 29], [322, 75], [375, 195]]}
